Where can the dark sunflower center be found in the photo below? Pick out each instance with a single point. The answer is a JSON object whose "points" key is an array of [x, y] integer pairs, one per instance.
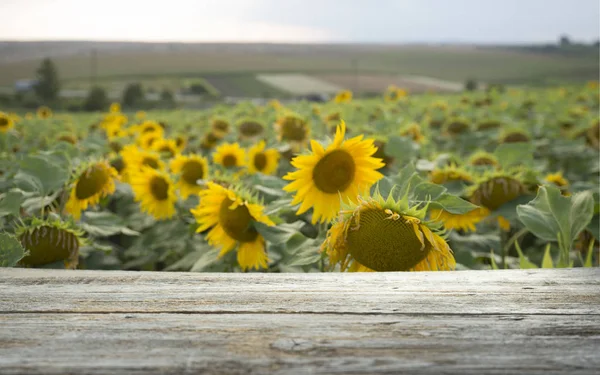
{"points": [[334, 172], [457, 127], [221, 125], [118, 164], [516, 137], [91, 182], [159, 188], [3, 122], [68, 138], [260, 161], [192, 171], [48, 244], [293, 131], [229, 161], [237, 223], [179, 141], [483, 161], [251, 128], [149, 129], [383, 244], [167, 150], [115, 146], [211, 138], [494, 193], [150, 162]]}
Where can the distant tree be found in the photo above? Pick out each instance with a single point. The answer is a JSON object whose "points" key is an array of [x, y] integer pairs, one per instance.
{"points": [[47, 86], [133, 95], [96, 100], [596, 43], [167, 98], [470, 84], [564, 40]]}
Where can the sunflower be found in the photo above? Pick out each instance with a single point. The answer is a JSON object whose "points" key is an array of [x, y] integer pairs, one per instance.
{"points": [[482, 158], [559, 181], [192, 169], [50, 241], [135, 159], [6, 122], [115, 108], [450, 173], [394, 93], [492, 191], [140, 115], [249, 129], [209, 141], [230, 155], [292, 129], [220, 127], [155, 192], [465, 222], [113, 131], [340, 171], [514, 136], [93, 183], [150, 127], [457, 126], [44, 112], [230, 216], [378, 234], [261, 160], [29, 116], [181, 142], [167, 147], [147, 140], [413, 131], [343, 97], [68, 138]]}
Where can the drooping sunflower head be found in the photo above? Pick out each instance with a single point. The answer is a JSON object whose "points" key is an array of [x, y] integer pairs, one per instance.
{"points": [[456, 126], [166, 147], [450, 173], [68, 138], [343, 97], [413, 130], [489, 124], [325, 175], [377, 234], [261, 160], [115, 108], [492, 190], [209, 141], [230, 215], [249, 129], [292, 129], [155, 191], [93, 182], [482, 159], [44, 112], [192, 171], [333, 117], [50, 241], [220, 127], [230, 155], [514, 136], [6, 122]]}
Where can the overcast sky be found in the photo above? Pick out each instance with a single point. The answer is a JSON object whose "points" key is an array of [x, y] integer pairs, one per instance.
{"points": [[386, 21]]}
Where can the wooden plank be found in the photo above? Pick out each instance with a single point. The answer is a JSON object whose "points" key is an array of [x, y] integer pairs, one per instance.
{"points": [[472, 322], [573, 291]]}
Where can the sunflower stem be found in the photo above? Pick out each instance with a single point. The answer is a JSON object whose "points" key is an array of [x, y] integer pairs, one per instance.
{"points": [[506, 245]]}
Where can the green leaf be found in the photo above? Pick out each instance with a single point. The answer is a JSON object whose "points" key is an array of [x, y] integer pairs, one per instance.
{"points": [[302, 251], [11, 251], [512, 154], [553, 217], [206, 260], [44, 173], [524, 263], [453, 204], [280, 233], [547, 260], [426, 191], [400, 148], [11, 203], [105, 224]]}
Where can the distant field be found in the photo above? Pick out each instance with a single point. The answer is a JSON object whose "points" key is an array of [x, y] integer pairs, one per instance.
{"points": [[299, 84], [379, 82], [169, 65]]}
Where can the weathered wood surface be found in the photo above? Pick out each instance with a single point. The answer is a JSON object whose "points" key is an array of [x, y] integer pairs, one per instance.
{"points": [[473, 322]]}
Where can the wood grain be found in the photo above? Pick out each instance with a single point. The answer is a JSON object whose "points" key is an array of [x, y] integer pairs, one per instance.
{"points": [[472, 322]]}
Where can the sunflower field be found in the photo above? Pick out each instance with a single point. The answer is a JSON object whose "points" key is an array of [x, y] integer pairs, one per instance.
{"points": [[498, 179]]}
